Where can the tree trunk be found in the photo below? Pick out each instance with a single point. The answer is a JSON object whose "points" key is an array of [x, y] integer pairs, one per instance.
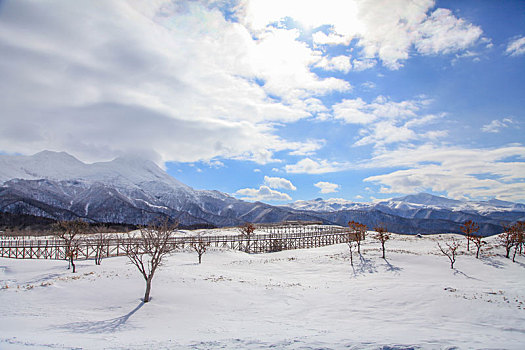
{"points": [[452, 264], [72, 262], [468, 244], [148, 289], [359, 246], [200, 258], [477, 252], [383, 246]]}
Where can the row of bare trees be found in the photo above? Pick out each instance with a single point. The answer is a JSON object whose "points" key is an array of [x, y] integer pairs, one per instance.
{"points": [[70, 232], [358, 233], [511, 239]]}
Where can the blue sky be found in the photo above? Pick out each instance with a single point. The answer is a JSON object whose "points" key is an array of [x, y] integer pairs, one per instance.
{"points": [[276, 100]]}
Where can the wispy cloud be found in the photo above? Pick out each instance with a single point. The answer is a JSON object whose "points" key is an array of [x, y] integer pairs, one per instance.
{"points": [[311, 166], [496, 125], [516, 47], [457, 171]]}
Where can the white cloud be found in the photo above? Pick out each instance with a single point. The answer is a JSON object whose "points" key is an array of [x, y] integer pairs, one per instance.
{"points": [[307, 148], [385, 121], [327, 187], [279, 183], [369, 85], [516, 47], [496, 125], [442, 32], [121, 80], [357, 111], [363, 64], [263, 193], [310, 166], [457, 171], [338, 63], [384, 30], [330, 39]]}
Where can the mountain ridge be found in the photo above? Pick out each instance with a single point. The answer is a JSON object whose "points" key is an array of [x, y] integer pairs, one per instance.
{"points": [[132, 190]]}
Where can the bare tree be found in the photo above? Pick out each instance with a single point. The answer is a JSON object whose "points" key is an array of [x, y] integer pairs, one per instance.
{"points": [[382, 236], [351, 245], [101, 243], [469, 229], [148, 250], [518, 237], [507, 239], [450, 250], [200, 246], [478, 242], [360, 231], [68, 231], [247, 230]]}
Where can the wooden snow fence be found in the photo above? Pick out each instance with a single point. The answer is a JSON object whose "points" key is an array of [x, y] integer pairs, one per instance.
{"points": [[288, 238]]}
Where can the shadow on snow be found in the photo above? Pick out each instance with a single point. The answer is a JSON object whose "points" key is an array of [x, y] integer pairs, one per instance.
{"points": [[105, 326]]}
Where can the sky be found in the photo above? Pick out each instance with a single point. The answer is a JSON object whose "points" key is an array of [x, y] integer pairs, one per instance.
{"points": [[276, 100]]}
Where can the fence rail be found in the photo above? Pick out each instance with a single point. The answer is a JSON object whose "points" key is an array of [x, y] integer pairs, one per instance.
{"points": [[88, 248]]}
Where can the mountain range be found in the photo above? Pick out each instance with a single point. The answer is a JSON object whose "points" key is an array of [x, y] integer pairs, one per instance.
{"points": [[132, 190]]}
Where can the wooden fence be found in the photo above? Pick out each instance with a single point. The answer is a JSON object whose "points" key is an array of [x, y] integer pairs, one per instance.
{"points": [[87, 248]]}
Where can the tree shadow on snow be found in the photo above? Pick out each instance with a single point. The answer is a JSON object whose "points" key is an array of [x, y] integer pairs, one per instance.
{"points": [[392, 268], [365, 266], [492, 262], [457, 272], [519, 263], [105, 326]]}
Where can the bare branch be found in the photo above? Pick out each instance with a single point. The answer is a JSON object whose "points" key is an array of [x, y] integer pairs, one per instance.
{"points": [[148, 250]]}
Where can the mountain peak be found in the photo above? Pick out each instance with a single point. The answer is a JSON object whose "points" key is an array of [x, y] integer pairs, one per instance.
{"points": [[55, 156], [123, 171]]}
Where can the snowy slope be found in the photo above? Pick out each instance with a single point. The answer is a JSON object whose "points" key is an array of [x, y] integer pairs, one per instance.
{"points": [[302, 299]]}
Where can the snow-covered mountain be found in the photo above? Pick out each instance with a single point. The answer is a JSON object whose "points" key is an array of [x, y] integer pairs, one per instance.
{"points": [[411, 203], [125, 190], [135, 191]]}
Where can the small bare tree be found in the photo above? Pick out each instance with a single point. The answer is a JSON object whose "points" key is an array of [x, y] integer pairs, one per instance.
{"points": [[518, 238], [469, 229], [351, 246], [450, 250], [200, 246], [507, 238], [478, 242], [360, 231], [382, 236], [148, 250], [247, 230], [68, 231], [101, 243]]}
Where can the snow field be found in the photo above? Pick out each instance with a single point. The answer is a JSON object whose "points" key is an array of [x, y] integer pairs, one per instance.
{"points": [[300, 299]]}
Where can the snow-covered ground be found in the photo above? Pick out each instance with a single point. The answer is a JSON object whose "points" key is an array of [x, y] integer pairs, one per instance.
{"points": [[301, 299]]}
